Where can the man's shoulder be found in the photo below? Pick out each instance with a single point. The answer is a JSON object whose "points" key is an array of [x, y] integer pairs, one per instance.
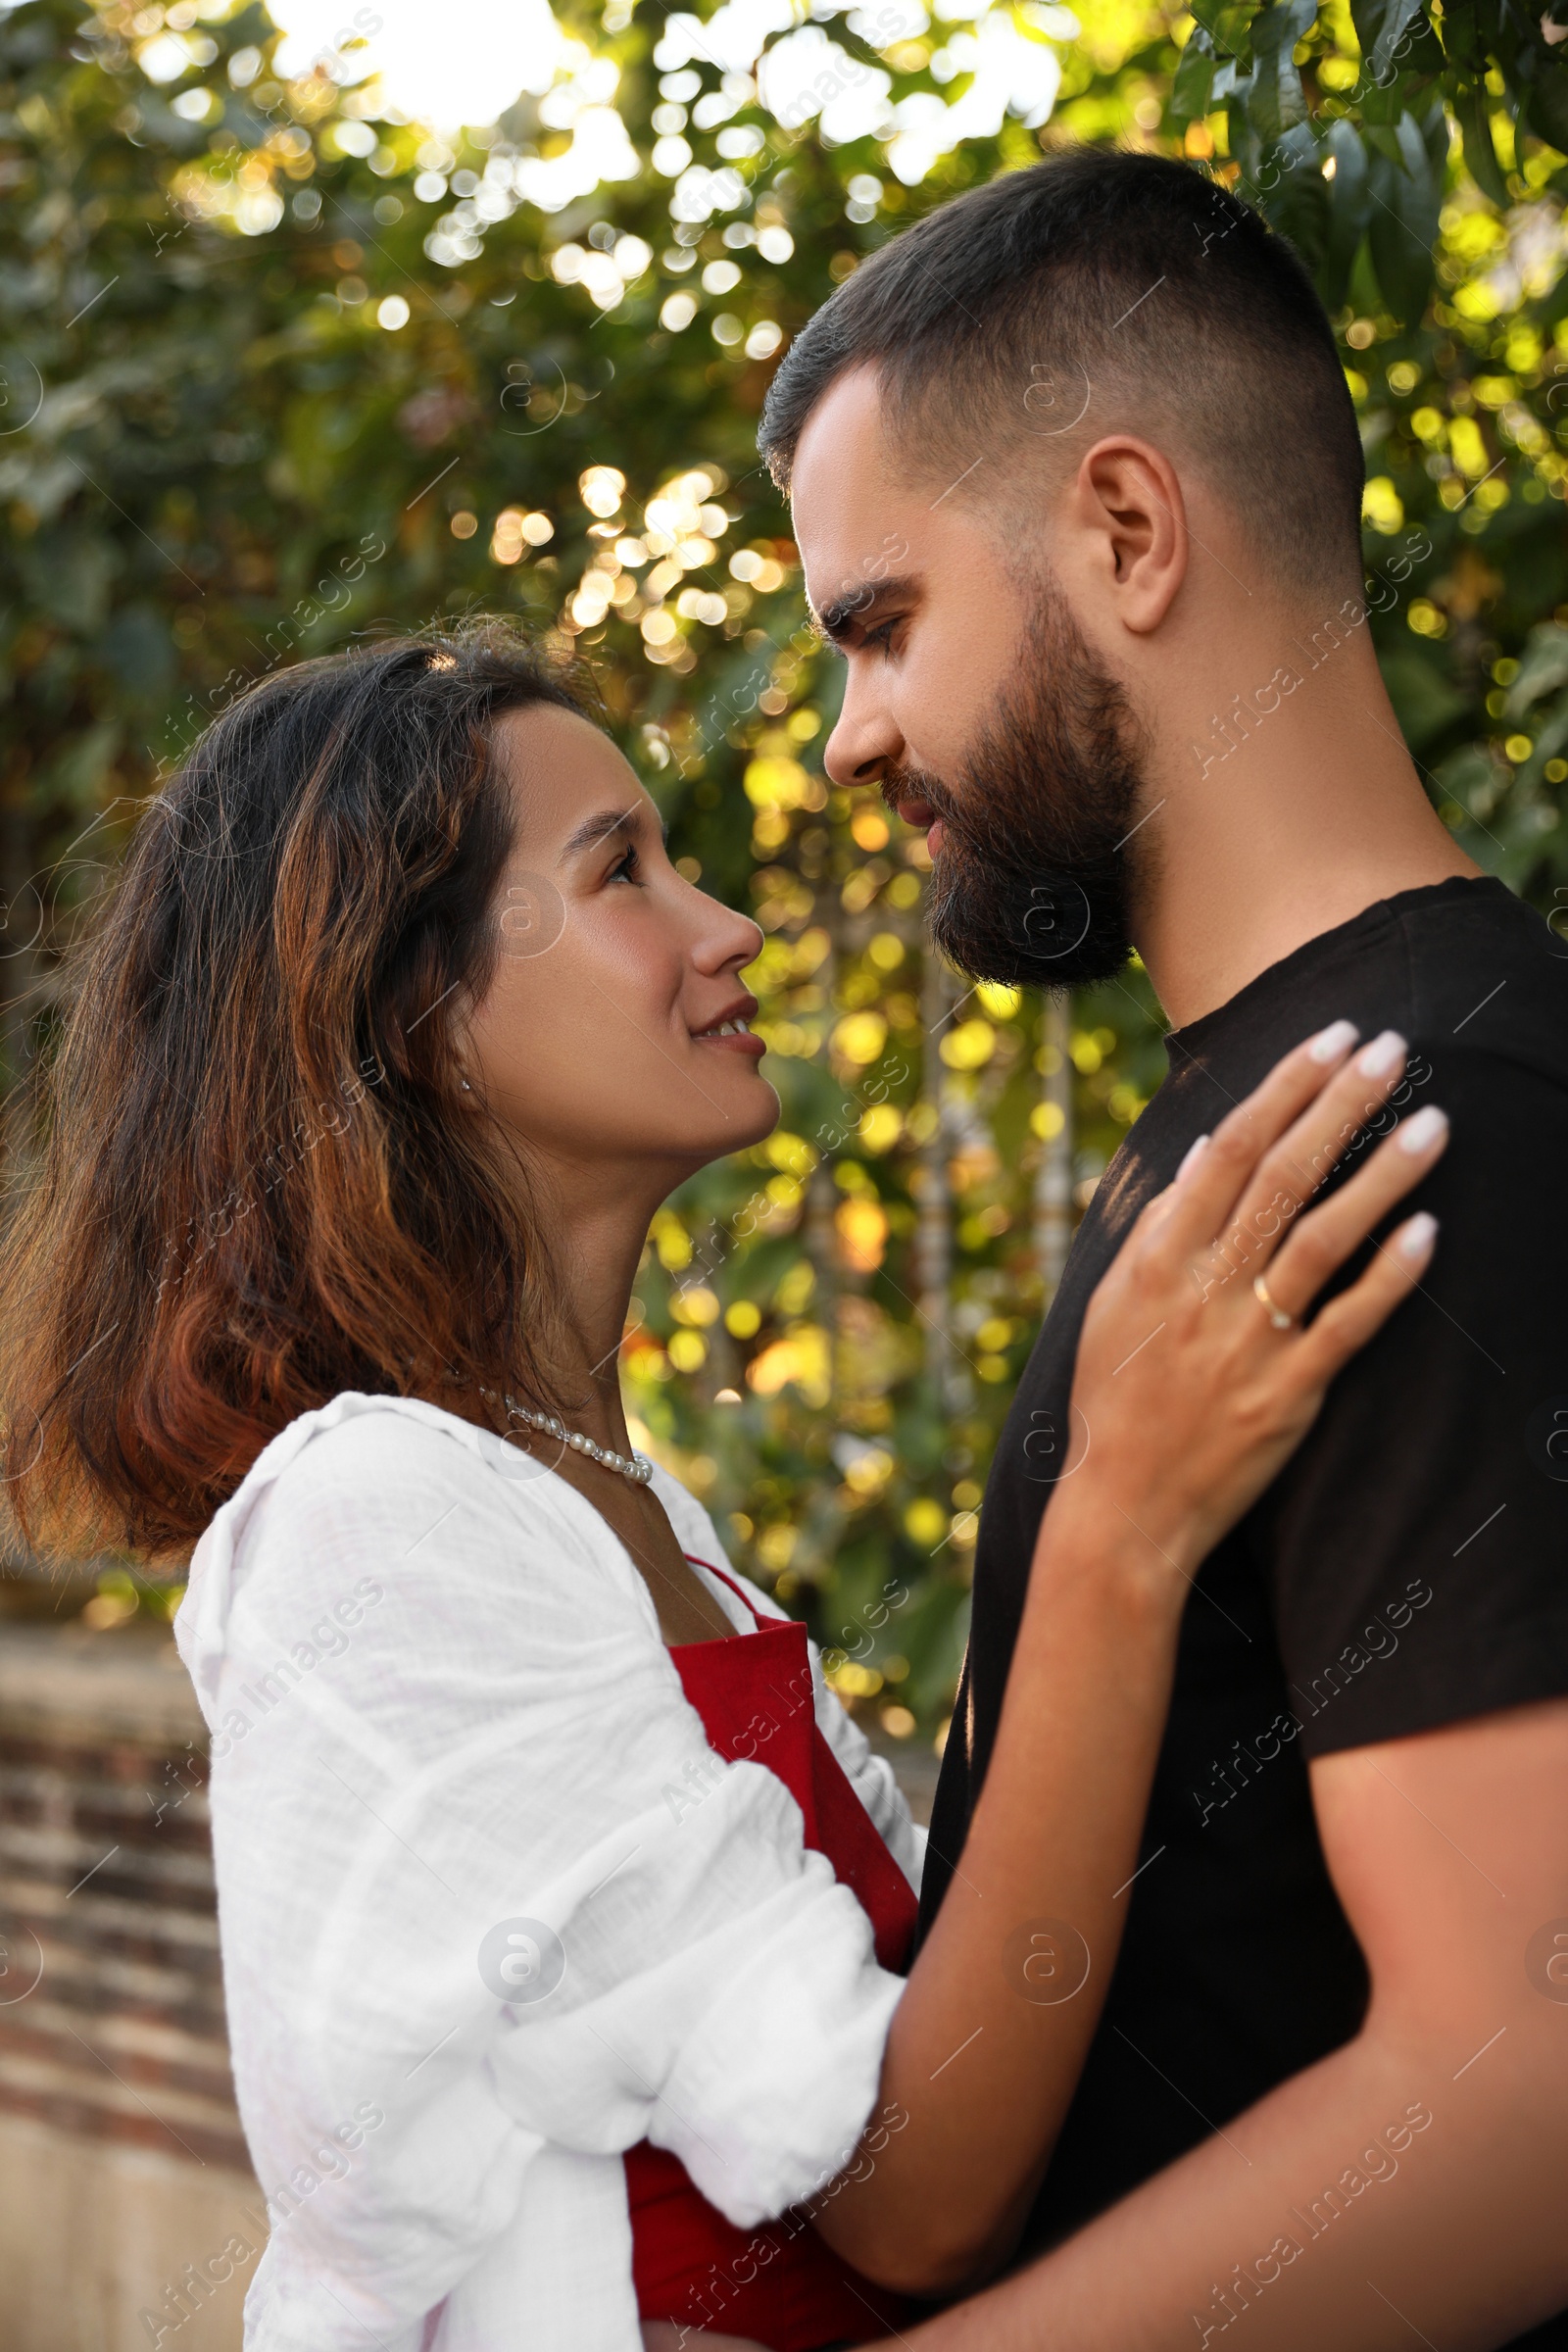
{"points": [[1471, 976], [1488, 979]]}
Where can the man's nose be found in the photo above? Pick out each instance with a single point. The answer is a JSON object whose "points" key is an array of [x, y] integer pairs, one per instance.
{"points": [[865, 741]]}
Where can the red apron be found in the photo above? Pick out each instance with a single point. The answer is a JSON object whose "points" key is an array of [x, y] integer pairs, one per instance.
{"points": [[780, 2283]]}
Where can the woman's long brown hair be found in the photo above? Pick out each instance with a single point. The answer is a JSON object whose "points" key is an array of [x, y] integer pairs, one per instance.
{"points": [[243, 1182]]}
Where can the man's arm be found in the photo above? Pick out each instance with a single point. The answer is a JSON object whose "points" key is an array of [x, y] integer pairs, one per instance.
{"points": [[1413, 2186]]}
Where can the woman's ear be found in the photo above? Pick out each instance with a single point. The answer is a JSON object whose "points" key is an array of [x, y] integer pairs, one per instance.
{"points": [[1127, 499]]}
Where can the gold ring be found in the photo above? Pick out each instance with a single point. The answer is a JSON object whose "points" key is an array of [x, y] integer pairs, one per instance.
{"points": [[1275, 1314]]}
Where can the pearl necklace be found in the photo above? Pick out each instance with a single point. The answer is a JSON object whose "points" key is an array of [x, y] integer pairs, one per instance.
{"points": [[636, 1467]]}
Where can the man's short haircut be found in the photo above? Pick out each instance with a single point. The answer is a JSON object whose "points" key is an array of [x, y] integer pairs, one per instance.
{"points": [[1130, 287]]}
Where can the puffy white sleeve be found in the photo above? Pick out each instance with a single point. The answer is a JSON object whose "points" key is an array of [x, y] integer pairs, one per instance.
{"points": [[471, 1911]]}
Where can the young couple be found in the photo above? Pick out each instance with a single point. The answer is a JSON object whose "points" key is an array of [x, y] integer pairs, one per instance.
{"points": [[1236, 1996]]}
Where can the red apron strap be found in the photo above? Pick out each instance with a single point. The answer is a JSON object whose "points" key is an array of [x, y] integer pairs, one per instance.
{"points": [[739, 1591], [779, 2283]]}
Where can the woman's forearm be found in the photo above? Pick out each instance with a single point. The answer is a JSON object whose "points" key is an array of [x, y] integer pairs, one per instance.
{"points": [[987, 2042]]}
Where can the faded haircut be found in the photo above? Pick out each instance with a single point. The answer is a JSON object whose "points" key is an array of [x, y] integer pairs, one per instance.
{"points": [[1090, 293]]}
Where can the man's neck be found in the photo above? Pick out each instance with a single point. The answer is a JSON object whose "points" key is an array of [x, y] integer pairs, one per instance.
{"points": [[1277, 828]]}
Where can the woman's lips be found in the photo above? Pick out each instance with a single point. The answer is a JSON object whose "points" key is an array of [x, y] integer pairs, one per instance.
{"points": [[733, 1032], [740, 1041]]}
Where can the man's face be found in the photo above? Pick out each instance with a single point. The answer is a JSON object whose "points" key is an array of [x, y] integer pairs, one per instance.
{"points": [[907, 585], [972, 700]]}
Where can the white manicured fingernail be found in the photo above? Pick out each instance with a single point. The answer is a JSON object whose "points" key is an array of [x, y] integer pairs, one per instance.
{"points": [[1382, 1054], [1427, 1128], [1417, 1238], [1194, 1152], [1337, 1039]]}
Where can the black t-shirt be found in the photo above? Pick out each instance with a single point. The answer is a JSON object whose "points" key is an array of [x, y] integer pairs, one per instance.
{"points": [[1408, 1568]]}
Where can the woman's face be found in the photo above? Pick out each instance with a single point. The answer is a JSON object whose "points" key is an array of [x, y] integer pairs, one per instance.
{"points": [[613, 1031]]}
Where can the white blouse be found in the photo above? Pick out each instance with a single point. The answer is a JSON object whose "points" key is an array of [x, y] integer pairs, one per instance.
{"points": [[492, 1910]]}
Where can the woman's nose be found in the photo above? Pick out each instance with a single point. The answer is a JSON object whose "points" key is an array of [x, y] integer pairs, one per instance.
{"points": [[728, 936]]}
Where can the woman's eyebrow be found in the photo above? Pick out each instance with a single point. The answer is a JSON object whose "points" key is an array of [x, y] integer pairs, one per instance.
{"points": [[597, 829]]}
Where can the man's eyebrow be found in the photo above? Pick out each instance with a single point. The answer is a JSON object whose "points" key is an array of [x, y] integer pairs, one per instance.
{"points": [[847, 613], [596, 829]]}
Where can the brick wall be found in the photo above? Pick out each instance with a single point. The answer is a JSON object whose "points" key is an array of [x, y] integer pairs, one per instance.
{"points": [[123, 2168]]}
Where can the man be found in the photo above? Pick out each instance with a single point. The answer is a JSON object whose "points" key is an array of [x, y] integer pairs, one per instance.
{"points": [[1077, 485]]}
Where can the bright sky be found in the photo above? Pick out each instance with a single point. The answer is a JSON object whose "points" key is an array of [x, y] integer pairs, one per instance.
{"points": [[464, 60], [467, 61]]}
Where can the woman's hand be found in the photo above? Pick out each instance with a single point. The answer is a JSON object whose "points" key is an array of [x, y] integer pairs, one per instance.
{"points": [[1193, 1384]]}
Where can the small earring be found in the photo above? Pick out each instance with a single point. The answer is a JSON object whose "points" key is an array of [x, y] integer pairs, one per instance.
{"points": [[467, 1088]]}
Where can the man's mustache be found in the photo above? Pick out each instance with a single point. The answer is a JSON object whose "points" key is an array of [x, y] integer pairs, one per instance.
{"points": [[897, 784]]}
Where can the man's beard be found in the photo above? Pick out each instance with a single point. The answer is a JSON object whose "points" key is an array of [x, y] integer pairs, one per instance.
{"points": [[1030, 884]]}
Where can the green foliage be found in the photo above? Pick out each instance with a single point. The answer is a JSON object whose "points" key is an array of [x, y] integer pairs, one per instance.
{"points": [[275, 372]]}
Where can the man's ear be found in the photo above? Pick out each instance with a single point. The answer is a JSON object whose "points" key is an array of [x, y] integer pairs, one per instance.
{"points": [[1126, 499]]}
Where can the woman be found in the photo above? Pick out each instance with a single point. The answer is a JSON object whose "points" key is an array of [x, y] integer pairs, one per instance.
{"points": [[562, 1908]]}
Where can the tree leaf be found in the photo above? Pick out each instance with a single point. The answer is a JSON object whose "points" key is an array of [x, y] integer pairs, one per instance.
{"points": [[1546, 108], [1300, 201], [1367, 17], [1350, 206], [1228, 24], [1541, 670], [1398, 17], [1404, 226], [1194, 79], [1276, 99], [1473, 113]]}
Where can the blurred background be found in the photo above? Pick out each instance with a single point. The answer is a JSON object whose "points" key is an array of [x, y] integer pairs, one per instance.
{"points": [[337, 318]]}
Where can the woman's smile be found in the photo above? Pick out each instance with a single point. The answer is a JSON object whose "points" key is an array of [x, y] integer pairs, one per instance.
{"points": [[731, 1030]]}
